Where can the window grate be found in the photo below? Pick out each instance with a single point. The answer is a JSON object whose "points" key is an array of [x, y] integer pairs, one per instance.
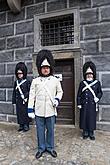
{"points": [[57, 30]]}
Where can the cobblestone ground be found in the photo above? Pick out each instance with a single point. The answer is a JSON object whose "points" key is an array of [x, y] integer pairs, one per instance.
{"points": [[20, 148]]}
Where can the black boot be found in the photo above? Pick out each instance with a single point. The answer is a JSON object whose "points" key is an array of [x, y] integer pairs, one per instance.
{"points": [[20, 128], [26, 128], [91, 135], [85, 134]]}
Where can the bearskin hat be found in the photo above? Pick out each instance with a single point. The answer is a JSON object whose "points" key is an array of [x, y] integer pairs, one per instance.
{"points": [[21, 66], [91, 66], [46, 57]]}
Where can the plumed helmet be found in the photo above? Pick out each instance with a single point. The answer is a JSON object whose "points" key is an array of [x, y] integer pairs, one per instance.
{"points": [[21, 66], [45, 58], [89, 67]]}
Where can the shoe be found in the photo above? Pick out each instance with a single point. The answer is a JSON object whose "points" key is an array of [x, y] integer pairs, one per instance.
{"points": [[92, 137], [85, 134], [26, 128], [53, 153], [38, 154], [20, 128]]}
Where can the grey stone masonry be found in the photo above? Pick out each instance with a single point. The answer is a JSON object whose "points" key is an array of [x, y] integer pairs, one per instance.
{"points": [[96, 3], [97, 31], [2, 69], [106, 80], [83, 4], [6, 30], [29, 40], [106, 98], [89, 16], [2, 43], [6, 108], [6, 56], [105, 13], [24, 27], [2, 18], [15, 17], [6, 82], [105, 45], [56, 5], [105, 114], [32, 10], [15, 42], [2, 95]]}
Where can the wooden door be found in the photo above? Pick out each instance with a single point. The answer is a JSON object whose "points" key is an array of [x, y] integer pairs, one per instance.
{"points": [[66, 112]]}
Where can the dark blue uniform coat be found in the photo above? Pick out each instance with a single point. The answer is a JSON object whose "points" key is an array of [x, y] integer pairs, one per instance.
{"points": [[21, 109], [88, 105]]}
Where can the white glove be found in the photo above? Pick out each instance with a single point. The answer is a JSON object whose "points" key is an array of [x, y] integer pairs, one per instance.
{"points": [[96, 99], [31, 115], [55, 104], [79, 106]]}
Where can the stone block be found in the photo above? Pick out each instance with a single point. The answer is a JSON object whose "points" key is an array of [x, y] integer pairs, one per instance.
{"points": [[89, 16], [24, 27], [6, 56], [27, 2], [97, 31], [15, 42], [10, 68], [30, 40], [2, 44], [9, 94], [105, 80], [100, 3], [6, 108], [2, 95], [2, 69], [4, 6], [6, 82], [3, 117], [39, 1], [90, 47], [80, 3], [29, 66], [56, 5], [103, 126], [12, 118], [105, 14], [24, 54], [105, 114], [6, 30], [15, 17], [105, 100], [105, 45], [2, 18], [36, 9]]}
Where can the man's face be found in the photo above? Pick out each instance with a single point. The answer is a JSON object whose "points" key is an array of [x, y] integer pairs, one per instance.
{"points": [[20, 74], [89, 76], [45, 70]]}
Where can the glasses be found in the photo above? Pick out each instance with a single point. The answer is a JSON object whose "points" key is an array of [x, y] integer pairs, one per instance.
{"points": [[19, 73]]}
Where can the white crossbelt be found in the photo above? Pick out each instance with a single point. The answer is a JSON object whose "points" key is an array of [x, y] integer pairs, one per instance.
{"points": [[20, 91], [88, 86]]}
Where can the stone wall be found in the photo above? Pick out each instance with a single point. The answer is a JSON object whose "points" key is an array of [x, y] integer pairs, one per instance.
{"points": [[17, 44]]}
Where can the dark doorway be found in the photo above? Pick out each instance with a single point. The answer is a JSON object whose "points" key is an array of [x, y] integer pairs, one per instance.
{"points": [[66, 109]]}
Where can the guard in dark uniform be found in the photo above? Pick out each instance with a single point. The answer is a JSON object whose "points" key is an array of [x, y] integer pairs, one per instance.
{"points": [[20, 96], [89, 94]]}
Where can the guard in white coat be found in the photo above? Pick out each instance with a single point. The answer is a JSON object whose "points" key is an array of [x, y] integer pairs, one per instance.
{"points": [[45, 95]]}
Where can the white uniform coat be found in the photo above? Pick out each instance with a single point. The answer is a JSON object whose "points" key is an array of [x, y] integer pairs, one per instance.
{"points": [[43, 91]]}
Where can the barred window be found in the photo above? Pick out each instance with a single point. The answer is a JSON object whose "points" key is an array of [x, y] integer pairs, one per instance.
{"points": [[57, 30]]}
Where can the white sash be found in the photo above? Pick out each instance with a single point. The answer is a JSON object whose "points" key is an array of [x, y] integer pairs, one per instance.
{"points": [[88, 86], [20, 91]]}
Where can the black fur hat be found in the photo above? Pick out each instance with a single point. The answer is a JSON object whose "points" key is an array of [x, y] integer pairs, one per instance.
{"points": [[21, 66], [90, 65], [41, 56]]}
